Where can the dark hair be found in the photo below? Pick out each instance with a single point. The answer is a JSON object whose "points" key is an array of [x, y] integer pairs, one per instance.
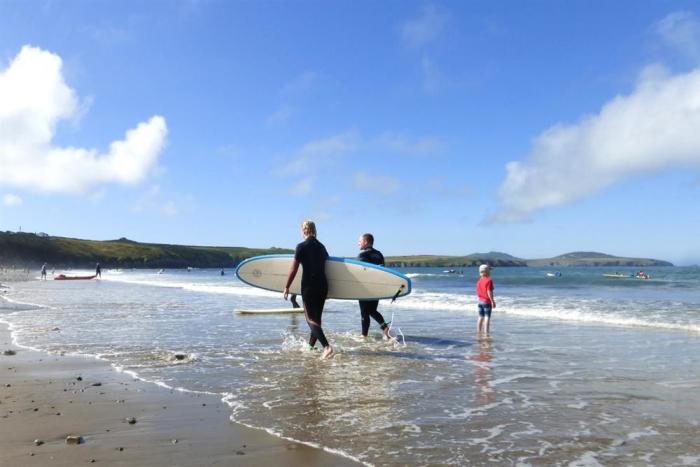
{"points": [[369, 237]]}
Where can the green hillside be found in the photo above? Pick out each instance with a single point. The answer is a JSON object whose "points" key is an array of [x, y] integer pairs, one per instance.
{"points": [[26, 248]]}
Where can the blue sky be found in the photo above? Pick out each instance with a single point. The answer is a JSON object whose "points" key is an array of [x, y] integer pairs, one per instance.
{"points": [[534, 128]]}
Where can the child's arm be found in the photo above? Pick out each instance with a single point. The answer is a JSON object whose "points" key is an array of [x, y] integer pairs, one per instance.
{"points": [[493, 300]]}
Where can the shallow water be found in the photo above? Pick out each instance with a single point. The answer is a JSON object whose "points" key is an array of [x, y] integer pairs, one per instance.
{"points": [[579, 370]]}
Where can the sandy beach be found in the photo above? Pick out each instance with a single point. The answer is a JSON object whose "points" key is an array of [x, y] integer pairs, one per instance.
{"points": [[44, 399]]}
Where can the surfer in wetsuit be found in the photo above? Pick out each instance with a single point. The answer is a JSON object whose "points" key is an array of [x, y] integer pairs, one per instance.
{"points": [[312, 255], [98, 270], [369, 307]]}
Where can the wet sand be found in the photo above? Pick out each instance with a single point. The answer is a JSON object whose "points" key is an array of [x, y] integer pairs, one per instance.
{"points": [[46, 398]]}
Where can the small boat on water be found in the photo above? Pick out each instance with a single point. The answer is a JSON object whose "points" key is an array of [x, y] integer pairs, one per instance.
{"points": [[63, 277], [616, 275]]}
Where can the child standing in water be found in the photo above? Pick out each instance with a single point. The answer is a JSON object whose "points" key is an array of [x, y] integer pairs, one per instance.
{"points": [[484, 290]]}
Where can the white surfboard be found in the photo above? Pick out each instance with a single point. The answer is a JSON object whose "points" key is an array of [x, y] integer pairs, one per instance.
{"points": [[269, 311], [348, 279]]}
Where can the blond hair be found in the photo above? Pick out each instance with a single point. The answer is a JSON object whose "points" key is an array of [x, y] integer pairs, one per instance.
{"points": [[308, 228]]}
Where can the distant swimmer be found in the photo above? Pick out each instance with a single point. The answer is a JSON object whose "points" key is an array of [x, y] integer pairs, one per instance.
{"points": [[43, 271], [98, 270], [484, 290], [369, 307], [222, 272], [312, 256]]}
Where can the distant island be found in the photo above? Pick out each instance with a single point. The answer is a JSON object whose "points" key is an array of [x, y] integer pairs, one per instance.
{"points": [[22, 249]]}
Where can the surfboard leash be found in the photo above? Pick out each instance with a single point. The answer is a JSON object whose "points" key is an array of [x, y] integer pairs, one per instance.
{"points": [[396, 295]]}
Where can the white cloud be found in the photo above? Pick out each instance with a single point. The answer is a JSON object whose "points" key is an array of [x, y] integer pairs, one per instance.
{"points": [[655, 127], [402, 144], [681, 30], [35, 98], [321, 153], [376, 183], [11, 200], [424, 29], [303, 186]]}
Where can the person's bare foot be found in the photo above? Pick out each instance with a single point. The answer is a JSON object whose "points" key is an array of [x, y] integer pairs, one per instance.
{"points": [[387, 336], [328, 352]]}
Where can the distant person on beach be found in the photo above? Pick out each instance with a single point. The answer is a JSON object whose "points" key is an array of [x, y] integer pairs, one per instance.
{"points": [[312, 255], [484, 290], [43, 271], [369, 307], [98, 271]]}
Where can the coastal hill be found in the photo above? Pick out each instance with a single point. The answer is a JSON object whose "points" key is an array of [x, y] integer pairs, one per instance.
{"points": [[24, 249], [579, 258]]}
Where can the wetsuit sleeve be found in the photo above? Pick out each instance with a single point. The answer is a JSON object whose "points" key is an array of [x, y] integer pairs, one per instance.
{"points": [[298, 253], [381, 258]]}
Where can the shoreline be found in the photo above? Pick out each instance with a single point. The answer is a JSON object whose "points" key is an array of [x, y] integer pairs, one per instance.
{"points": [[46, 398]]}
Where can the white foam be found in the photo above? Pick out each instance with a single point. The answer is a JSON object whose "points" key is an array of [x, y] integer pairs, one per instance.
{"points": [[593, 317], [648, 431], [588, 459]]}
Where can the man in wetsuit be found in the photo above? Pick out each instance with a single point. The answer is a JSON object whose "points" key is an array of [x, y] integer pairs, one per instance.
{"points": [[312, 255], [369, 307]]}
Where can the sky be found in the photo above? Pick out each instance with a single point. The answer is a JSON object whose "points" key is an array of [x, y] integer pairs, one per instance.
{"points": [[532, 128]]}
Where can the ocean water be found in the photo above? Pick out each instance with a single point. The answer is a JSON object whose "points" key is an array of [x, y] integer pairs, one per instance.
{"points": [[579, 370]]}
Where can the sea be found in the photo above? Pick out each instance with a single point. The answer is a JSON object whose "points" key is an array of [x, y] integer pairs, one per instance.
{"points": [[579, 370]]}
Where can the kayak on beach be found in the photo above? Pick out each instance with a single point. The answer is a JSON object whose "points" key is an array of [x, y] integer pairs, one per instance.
{"points": [[63, 277]]}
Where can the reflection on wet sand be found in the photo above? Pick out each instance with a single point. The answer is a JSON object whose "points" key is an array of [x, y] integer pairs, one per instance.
{"points": [[484, 393]]}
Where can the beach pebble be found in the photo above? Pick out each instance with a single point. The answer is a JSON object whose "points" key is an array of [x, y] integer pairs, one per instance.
{"points": [[131, 420], [97, 384], [79, 378], [174, 441], [9, 352], [73, 440], [38, 442], [240, 453], [180, 356]]}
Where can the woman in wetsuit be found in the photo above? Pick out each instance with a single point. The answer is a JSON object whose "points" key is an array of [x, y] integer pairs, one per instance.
{"points": [[312, 255]]}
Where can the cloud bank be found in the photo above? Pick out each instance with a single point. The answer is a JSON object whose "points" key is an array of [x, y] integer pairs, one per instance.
{"points": [[655, 127], [35, 99]]}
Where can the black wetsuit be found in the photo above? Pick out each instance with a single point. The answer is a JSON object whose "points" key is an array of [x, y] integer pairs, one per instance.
{"points": [[314, 287], [369, 307]]}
